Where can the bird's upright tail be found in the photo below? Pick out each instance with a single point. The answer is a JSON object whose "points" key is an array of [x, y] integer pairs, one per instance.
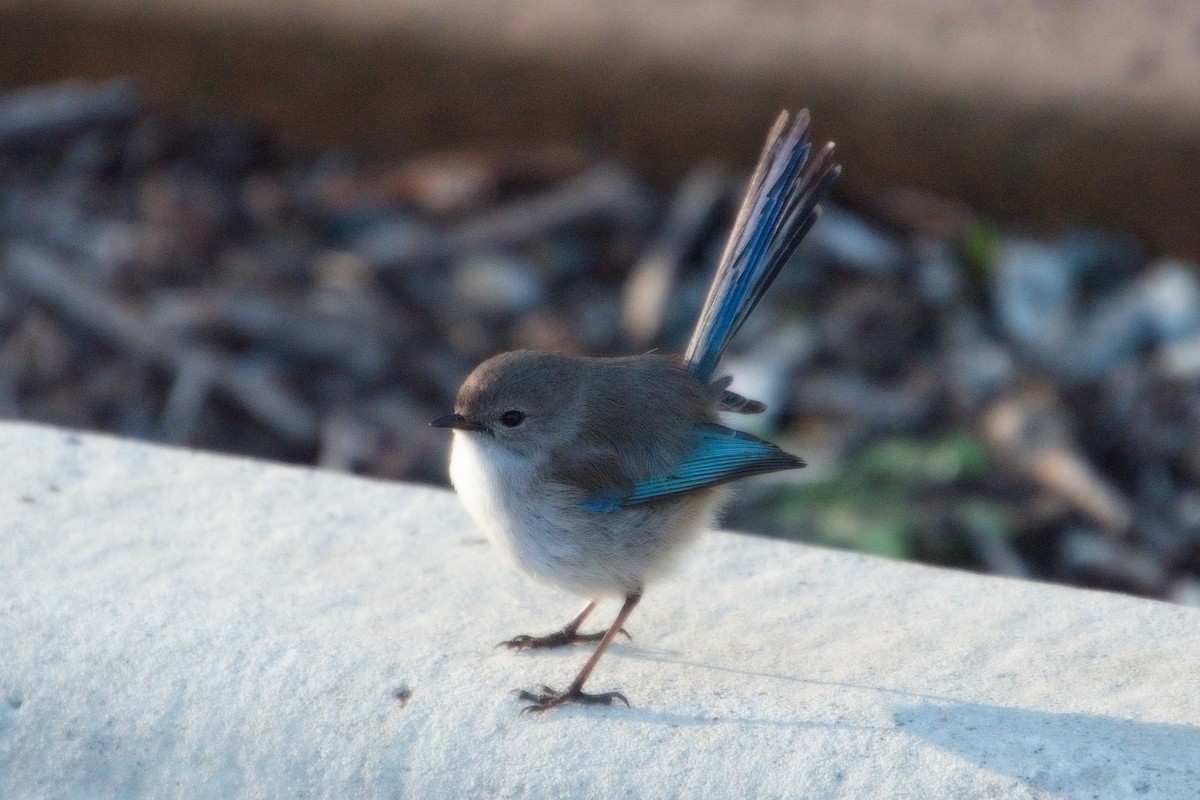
{"points": [[779, 208]]}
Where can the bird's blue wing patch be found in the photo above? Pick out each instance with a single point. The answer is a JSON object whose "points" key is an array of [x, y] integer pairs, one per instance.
{"points": [[603, 505], [720, 455]]}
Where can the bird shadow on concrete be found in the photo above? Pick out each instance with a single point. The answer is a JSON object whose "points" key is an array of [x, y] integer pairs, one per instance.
{"points": [[1077, 755], [812, 722], [1085, 755]]}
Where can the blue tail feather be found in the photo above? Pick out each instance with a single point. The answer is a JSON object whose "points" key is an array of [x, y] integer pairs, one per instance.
{"points": [[781, 205]]}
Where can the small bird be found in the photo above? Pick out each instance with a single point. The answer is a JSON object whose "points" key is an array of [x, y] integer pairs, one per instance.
{"points": [[591, 474]]}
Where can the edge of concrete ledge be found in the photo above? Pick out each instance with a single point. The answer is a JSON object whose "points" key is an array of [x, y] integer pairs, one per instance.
{"points": [[185, 623]]}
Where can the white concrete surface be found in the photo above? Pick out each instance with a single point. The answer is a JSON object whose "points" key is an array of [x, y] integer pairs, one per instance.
{"points": [[182, 625]]}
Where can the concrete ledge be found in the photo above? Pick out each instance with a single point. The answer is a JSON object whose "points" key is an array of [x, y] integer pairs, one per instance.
{"points": [[176, 624]]}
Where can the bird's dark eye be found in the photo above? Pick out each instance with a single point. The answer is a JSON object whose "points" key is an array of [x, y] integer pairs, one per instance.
{"points": [[512, 418]]}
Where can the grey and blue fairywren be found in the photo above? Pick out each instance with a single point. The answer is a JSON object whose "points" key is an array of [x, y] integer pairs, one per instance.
{"points": [[591, 474]]}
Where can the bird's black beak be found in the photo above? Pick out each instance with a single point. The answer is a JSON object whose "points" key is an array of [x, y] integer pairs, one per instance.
{"points": [[457, 421]]}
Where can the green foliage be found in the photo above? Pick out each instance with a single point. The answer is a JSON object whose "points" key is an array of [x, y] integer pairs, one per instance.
{"points": [[980, 248], [913, 462], [877, 502]]}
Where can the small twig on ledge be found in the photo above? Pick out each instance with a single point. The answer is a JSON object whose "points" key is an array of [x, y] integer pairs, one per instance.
{"points": [[41, 274]]}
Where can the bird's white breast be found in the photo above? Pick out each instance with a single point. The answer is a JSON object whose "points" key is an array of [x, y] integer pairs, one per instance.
{"points": [[495, 486], [544, 532]]}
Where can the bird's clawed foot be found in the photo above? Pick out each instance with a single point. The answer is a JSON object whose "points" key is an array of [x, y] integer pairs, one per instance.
{"points": [[556, 639], [546, 698]]}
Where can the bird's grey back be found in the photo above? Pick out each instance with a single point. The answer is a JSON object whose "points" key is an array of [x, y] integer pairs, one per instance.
{"points": [[643, 409]]}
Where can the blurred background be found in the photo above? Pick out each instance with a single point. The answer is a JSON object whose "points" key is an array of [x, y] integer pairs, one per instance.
{"points": [[289, 230]]}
